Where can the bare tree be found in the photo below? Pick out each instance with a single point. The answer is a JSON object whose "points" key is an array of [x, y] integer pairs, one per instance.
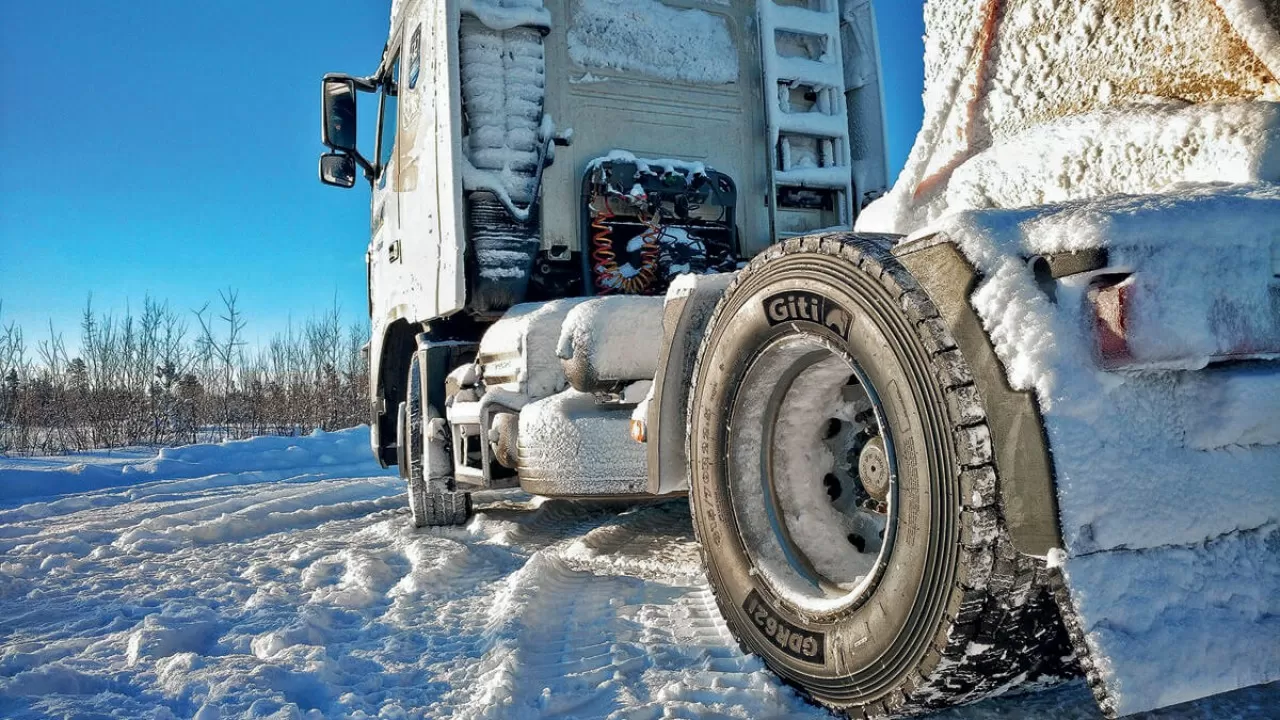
{"points": [[146, 379], [219, 354]]}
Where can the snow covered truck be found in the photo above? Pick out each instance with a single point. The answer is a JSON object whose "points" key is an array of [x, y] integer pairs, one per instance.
{"points": [[1023, 423]]}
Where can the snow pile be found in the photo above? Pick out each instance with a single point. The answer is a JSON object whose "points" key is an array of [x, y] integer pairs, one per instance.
{"points": [[654, 39], [254, 460], [1167, 519]]}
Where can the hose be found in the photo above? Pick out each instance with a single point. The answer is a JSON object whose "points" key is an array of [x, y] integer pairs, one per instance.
{"points": [[604, 259], [608, 275], [641, 281]]}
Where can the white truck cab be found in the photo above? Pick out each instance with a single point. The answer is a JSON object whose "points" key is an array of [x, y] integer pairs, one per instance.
{"points": [[505, 130]]}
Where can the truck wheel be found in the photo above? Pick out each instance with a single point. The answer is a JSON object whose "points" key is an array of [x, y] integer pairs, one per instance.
{"points": [[843, 489], [432, 496]]}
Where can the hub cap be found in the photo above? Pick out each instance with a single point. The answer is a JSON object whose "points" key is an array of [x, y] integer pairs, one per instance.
{"points": [[812, 474]]}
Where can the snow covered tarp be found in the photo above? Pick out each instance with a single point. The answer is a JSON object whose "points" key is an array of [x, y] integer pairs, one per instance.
{"points": [[1087, 98]]}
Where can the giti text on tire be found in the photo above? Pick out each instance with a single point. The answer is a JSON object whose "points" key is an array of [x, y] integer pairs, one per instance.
{"points": [[843, 489]]}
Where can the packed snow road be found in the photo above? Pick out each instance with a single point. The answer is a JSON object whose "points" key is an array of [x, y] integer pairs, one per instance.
{"points": [[281, 577]]}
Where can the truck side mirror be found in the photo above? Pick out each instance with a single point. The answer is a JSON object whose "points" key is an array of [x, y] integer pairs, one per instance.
{"points": [[339, 130], [338, 169]]}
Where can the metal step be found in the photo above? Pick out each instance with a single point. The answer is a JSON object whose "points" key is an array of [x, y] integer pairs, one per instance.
{"points": [[807, 117]]}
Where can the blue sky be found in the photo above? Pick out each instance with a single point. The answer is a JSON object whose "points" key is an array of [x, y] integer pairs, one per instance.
{"points": [[169, 148]]}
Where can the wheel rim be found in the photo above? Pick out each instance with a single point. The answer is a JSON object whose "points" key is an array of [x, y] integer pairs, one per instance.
{"points": [[812, 474]]}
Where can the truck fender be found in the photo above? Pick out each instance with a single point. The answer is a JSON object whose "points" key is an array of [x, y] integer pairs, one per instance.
{"points": [[391, 344], [689, 304], [1028, 499]]}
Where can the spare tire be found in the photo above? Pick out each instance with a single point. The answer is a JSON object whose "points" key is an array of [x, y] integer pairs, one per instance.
{"points": [[844, 490]]}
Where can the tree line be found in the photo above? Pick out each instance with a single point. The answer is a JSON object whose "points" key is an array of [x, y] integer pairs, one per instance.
{"points": [[164, 377]]}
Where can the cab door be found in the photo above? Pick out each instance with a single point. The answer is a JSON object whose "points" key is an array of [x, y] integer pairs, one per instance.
{"points": [[416, 158], [416, 252], [387, 276]]}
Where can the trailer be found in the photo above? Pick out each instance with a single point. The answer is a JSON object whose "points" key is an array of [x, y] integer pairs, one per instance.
{"points": [[1013, 419]]}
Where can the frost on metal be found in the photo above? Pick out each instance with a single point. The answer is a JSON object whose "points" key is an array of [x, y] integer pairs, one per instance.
{"points": [[503, 74], [619, 337], [651, 38], [518, 352], [570, 441], [802, 50], [503, 85], [507, 14], [646, 165]]}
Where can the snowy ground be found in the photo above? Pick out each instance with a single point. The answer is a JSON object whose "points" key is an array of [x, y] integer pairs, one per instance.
{"points": [[280, 577]]}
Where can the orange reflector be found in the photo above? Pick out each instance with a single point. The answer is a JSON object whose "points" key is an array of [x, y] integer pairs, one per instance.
{"points": [[639, 432]]}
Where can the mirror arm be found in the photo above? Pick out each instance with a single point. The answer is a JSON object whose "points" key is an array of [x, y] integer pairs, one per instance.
{"points": [[364, 165]]}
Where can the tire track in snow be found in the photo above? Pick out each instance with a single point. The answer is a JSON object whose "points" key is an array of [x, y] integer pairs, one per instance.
{"points": [[549, 627], [529, 522], [590, 626], [652, 541]]}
